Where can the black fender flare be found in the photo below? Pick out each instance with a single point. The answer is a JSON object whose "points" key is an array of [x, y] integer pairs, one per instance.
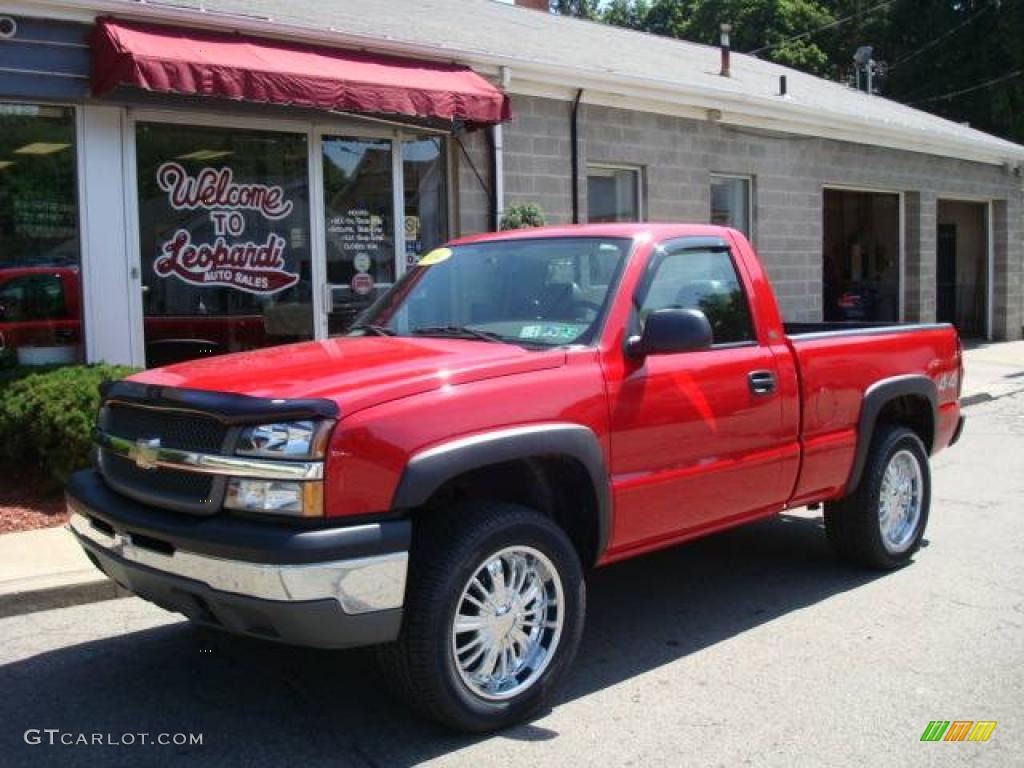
{"points": [[876, 397], [428, 470]]}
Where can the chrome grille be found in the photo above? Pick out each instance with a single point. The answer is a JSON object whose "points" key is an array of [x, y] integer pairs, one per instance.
{"points": [[181, 491]]}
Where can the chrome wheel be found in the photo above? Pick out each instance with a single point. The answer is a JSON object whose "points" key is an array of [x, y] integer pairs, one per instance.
{"points": [[508, 623], [899, 502]]}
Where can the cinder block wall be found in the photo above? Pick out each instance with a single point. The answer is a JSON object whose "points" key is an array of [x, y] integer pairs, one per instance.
{"points": [[678, 155]]}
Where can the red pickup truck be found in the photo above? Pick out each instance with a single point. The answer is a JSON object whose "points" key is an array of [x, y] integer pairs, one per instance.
{"points": [[517, 409]]}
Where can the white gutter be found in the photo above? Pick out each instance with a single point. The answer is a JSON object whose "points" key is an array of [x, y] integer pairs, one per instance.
{"points": [[739, 108]]}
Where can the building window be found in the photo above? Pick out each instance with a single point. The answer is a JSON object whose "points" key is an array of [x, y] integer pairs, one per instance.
{"points": [[613, 194], [731, 203], [224, 240], [40, 293]]}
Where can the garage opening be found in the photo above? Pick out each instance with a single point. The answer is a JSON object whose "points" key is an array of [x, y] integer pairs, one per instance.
{"points": [[961, 267], [861, 269]]}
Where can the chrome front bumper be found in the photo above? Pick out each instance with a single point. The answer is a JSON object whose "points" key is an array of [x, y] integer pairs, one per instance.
{"points": [[325, 587], [360, 585]]}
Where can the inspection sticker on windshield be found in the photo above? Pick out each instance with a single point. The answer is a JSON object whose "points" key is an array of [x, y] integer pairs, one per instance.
{"points": [[436, 256], [557, 332]]}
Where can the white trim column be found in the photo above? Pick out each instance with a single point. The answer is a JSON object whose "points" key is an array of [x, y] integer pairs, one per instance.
{"points": [[106, 277]]}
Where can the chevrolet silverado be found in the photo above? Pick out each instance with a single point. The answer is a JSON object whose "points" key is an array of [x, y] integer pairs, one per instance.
{"points": [[517, 409]]}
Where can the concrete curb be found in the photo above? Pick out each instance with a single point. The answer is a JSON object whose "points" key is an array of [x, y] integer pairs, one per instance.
{"points": [[87, 589], [45, 569]]}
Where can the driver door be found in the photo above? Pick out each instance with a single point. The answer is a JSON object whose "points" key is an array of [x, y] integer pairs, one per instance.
{"points": [[695, 435]]}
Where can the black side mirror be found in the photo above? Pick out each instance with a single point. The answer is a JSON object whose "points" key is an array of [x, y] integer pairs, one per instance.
{"points": [[671, 330]]}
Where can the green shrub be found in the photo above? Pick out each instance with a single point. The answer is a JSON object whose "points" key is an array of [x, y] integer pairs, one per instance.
{"points": [[46, 415], [523, 216]]}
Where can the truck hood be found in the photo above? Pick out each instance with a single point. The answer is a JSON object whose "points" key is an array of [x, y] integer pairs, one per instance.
{"points": [[354, 372]]}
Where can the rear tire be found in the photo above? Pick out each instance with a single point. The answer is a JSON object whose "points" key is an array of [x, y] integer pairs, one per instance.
{"points": [[880, 525], [524, 613]]}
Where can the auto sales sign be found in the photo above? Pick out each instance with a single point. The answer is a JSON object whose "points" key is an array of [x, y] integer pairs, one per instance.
{"points": [[247, 265]]}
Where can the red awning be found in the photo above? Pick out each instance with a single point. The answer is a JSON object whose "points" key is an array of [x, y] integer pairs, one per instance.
{"points": [[188, 61]]}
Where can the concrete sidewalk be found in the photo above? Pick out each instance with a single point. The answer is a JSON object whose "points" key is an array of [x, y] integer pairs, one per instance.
{"points": [[992, 369], [46, 569]]}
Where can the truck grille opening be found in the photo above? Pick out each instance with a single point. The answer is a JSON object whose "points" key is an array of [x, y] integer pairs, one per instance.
{"points": [[176, 429], [153, 545], [182, 491]]}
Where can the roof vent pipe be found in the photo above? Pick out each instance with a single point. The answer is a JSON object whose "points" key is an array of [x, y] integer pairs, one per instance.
{"points": [[726, 29]]}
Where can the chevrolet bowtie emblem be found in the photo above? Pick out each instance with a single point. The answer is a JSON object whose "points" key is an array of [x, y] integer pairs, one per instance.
{"points": [[145, 452]]}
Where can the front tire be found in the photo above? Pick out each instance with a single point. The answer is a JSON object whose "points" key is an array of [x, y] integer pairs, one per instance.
{"points": [[881, 524], [493, 617]]}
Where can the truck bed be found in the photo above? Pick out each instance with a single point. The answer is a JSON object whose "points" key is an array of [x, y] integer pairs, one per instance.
{"points": [[837, 364]]}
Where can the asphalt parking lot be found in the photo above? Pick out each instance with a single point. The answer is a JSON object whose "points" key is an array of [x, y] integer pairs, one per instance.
{"points": [[749, 648]]}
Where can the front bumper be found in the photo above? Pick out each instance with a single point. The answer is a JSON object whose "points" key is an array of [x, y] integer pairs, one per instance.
{"points": [[325, 587]]}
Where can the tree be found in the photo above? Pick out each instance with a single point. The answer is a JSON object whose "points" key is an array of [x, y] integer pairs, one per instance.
{"points": [[755, 23], [584, 9], [962, 59]]}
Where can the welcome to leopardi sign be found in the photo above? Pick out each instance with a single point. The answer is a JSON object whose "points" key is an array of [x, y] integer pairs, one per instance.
{"points": [[246, 265]]}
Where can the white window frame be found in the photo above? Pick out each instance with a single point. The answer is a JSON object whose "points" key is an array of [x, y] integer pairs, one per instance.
{"points": [[636, 169], [751, 216]]}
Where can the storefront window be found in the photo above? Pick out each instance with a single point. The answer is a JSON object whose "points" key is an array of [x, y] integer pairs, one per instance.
{"points": [[40, 317], [423, 169], [730, 203], [613, 194], [224, 240], [359, 216]]}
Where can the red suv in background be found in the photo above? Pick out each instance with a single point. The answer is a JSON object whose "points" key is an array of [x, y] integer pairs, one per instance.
{"points": [[41, 308]]}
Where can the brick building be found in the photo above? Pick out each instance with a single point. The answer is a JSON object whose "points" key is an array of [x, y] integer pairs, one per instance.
{"points": [[860, 207]]}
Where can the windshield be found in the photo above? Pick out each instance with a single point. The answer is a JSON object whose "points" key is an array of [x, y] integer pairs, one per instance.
{"points": [[543, 292]]}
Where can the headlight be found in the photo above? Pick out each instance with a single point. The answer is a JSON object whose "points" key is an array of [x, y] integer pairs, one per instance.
{"points": [[287, 440], [276, 497]]}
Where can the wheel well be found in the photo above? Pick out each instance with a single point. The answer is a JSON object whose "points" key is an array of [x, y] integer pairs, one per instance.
{"points": [[913, 412], [556, 486]]}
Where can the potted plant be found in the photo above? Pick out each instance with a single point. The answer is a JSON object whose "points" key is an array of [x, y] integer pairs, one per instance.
{"points": [[522, 216]]}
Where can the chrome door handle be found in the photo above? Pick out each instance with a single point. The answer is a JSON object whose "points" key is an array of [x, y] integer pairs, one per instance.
{"points": [[761, 382]]}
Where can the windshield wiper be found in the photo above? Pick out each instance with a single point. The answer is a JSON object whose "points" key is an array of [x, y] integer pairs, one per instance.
{"points": [[374, 330], [459, 331]]}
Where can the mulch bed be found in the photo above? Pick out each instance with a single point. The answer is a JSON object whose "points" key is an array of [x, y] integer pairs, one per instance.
{"points": [[27, 501]]}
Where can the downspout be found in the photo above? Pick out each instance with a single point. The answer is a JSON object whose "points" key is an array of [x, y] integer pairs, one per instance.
{"points": [[490, 136], [498, 205], [498, 139], [574, 139]]}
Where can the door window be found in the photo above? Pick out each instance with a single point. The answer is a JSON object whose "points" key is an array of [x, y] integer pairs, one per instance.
{"points": [[33, 297], [224, 240], [426, 210], [704, 280], [359, 217]]}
